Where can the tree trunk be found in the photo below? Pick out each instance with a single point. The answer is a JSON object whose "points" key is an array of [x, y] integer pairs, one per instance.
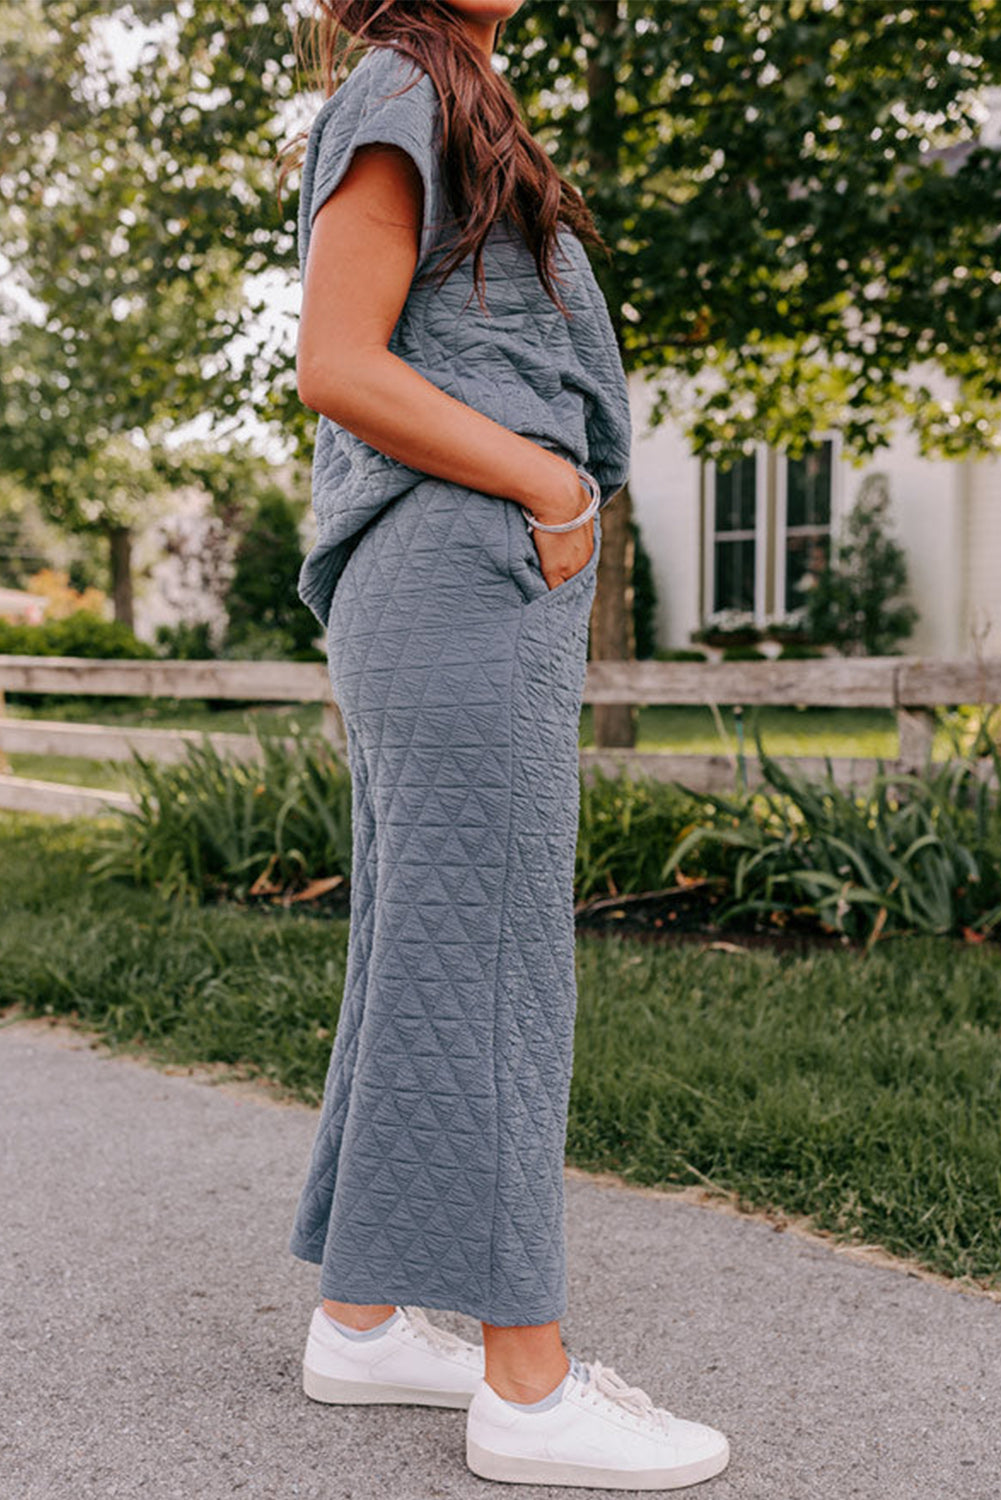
{"points": [[612, 634], [120, 557]]}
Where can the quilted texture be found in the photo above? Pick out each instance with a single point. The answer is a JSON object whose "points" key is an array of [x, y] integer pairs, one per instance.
{"points": [[522, 364], [436, 1173]]}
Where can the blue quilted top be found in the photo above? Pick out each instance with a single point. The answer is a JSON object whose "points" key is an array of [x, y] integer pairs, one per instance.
{"points": [[522, 364]]}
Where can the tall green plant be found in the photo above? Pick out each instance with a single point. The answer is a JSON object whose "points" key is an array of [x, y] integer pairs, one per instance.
{"points": [[210, 824], [918, 853], [626, 823]]}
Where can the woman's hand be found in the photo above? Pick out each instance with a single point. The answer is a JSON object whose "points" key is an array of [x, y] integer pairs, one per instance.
{"points": [[564, 553]]}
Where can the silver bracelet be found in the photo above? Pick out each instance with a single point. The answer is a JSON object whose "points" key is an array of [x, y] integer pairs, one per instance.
{"points": [[591, 484]]}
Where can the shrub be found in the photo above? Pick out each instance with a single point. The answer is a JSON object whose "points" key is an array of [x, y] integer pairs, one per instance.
{"points": [[206, 825], [628, 826], [185, 642], [266, 616], [743, 653], [855, 601], [79, 634], [644, 598], [66, 591], [268, 643], [799, 652]]}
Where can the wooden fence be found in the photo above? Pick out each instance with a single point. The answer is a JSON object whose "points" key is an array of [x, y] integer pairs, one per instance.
{"points": [[911, 687]]}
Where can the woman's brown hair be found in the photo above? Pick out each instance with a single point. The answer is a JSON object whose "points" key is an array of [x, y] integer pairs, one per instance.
{"points": [[491, 166]]}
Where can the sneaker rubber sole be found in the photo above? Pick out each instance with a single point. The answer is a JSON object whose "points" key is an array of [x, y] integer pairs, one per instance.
{"points": [[519, 1470], [332, 1391]]}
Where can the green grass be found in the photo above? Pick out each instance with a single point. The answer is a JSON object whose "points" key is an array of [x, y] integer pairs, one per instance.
{"points": [[785, 731], [165, 713], [839, 732], [860, 1091], [71, 770], [848, 732], [142, 713]]}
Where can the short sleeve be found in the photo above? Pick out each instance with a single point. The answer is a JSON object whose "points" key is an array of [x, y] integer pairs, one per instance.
{"points": [[609, 419], [368, 108]]}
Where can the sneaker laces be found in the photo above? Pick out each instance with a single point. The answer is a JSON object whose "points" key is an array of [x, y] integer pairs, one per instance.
{"points": [[605, 1380], [439, 1338]]}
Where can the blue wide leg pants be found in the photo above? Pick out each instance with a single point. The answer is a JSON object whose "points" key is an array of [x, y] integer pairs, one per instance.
{"points": [[436, 1176]]}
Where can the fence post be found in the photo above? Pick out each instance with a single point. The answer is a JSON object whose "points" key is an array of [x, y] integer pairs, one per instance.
{"points": [[332, 726], [4, 762], [916, 728]]}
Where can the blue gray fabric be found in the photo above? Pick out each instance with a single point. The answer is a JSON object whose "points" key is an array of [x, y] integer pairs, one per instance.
{"points": [[436, 1174], [436, 1177], [522, 364]]}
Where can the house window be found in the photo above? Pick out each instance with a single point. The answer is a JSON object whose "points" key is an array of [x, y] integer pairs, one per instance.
{"points": [[735, 550], [766, 523], [807, 518]]}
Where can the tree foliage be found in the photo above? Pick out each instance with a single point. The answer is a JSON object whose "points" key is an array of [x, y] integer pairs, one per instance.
{"points": [[791, 254], [135, 206], [783, 233]]}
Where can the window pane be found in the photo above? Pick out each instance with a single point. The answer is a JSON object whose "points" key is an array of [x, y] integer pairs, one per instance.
{"points": [[809, 487], [735, 495], [734, 582], [804, 554]]}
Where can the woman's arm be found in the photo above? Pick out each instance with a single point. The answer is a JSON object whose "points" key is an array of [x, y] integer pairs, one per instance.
{"points": [[363, 252]]}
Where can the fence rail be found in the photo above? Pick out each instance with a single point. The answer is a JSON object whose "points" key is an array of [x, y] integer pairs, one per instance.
{"points": [[910, 687]]}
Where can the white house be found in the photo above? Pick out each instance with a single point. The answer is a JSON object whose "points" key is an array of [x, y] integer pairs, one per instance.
{"points": [[22, 607], [738, 539], [182, 564]]}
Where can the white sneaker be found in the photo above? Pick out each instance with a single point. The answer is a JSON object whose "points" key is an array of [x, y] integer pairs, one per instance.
{"points": [[602, 1434], [412, 1362]]}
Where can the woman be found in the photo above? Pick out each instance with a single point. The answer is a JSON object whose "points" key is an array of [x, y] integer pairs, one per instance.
{"points": [[458, 537]]}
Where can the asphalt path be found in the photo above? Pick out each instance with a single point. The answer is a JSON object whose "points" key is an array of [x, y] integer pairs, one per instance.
{"points": [[153, 1320]]}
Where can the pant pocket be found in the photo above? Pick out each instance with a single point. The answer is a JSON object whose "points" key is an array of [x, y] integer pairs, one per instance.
{"points": [[521, 564], [582, 581]]}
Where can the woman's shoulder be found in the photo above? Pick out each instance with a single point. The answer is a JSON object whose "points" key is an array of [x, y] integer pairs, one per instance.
{"points": [[381, 72]]}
